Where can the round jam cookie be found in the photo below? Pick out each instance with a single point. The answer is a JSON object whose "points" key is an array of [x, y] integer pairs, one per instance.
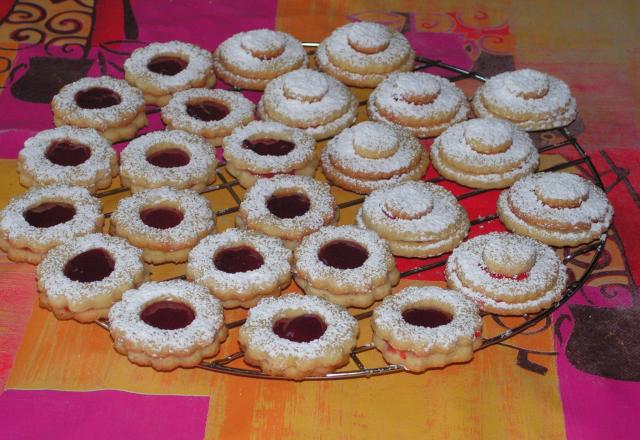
{"points": [[267, 149], [167, 325], [172, 158], [530, 99], [309, 100], [109, 105], [426, 327], [287, 207], [212, 114], [559, 209], [424, 104], [507, 274], [298, 336], [83, 277], [347, 265], [484, 153], [373, 155], [43, 218], [164, 222], [67, 156], [363, 54], [161, 69], [249, 60], [418, 219], [240, 267]]}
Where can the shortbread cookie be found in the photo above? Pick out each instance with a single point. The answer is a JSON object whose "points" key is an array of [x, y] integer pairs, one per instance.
{"points": [[267, 149], [167, 325], [484, 153], [422, 103], [373, 155], [418, 219], [298, 336], [249, 60], [287, 207], [363, 54], [67, 156], [164, 222], [426, 327], [559, 209], [43, 218], [172, 158], [309, 100], [109, 105], [530, 99], [240, 267], [347, 265], [507, 274], [83, 277], [212, 114], [161, 69]]}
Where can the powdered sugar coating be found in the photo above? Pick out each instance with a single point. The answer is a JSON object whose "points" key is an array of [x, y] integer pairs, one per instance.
{"points": [[306, 85], [368, 35], [411, 199], [489, 132], [561, 187], [374, 140], [527, 82]]}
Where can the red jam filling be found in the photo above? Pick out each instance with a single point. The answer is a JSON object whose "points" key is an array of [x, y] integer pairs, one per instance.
{"points": [[238, 259], [166, 65], [161, 217], [168, 315], [288, 205], [269, 147], [303, 328], [426, 317], [97, 97], [499, 276], [89, 266], [169, 158], [207, 111], [67, 153], [343, 254], [48, 214]]}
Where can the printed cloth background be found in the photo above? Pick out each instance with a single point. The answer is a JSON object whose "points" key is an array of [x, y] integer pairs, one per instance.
{"points": [[573, 376]]}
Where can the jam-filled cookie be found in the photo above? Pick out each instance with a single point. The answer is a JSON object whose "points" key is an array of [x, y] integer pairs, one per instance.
{"points": [[309, 100], [559, 209], [43, 218], [484, 153], [298, 336], [164, 222], [161, 69], [67, 156], [347, 265], [287, 207], [426, 327], [212, 114], [530, 99], [240, 267], [507, 274], [172, 158], [266, 149], [109, 105], [249, 60], [167, 325], [373, 155], [363, 54], [418, 219], [83, 277], [424, 104]]}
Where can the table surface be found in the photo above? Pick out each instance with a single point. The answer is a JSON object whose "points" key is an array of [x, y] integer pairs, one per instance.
{"points": [[572, 376]]}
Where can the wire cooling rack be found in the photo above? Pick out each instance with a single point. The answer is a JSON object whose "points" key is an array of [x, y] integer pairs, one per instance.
{"points": [[560, 143]]}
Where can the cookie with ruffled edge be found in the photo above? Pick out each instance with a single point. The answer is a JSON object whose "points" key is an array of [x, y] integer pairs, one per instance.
{"points": [[240, 267], [167, 325], [83, 277], [43, 218], [298, 336], [109, 105], [426, 327]]}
